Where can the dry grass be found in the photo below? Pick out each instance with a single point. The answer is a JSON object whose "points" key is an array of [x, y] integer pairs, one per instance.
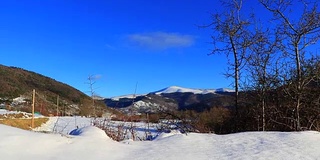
{"points": [[23, 123]]}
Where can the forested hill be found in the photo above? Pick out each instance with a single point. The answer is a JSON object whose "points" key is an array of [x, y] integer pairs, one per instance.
{"points": [[17, 81]]}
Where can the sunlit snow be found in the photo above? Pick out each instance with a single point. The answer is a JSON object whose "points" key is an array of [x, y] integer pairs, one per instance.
{"points": [[92, 143]]}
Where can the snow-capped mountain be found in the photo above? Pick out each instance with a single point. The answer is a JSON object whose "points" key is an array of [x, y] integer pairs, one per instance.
{"points": [[173, 98], [174, 89]]}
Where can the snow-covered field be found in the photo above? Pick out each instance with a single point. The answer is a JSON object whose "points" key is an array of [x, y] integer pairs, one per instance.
{"points": [[93, 143], [64, 125]]}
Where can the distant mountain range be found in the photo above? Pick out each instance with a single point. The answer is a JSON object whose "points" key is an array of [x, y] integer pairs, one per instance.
{"points": [[17, 82], [173, 98]]}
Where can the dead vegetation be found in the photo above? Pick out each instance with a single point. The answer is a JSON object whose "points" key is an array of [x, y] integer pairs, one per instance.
{"points": [[20, 120]]}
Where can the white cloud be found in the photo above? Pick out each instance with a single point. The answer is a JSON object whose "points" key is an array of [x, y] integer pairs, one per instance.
{"points": [[95, 77], [161, 40]]}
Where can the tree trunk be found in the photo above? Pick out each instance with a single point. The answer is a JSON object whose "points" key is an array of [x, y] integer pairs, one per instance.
{"points": [[236, 76], [299, 85]]}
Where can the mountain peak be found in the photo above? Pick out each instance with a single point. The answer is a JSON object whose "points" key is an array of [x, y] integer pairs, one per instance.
{"points": [[174, 89]]}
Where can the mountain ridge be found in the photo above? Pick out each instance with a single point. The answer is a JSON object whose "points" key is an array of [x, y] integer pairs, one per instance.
{"points": [[172, 98], [174, 89]]}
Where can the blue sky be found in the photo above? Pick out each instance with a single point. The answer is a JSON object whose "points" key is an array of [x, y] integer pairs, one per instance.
{"points": [[153, 43]]}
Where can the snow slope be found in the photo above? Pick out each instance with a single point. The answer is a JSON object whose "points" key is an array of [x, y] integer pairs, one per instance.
{"points": [[249, 146], [64, 125], [17, 144], [92, 143]]}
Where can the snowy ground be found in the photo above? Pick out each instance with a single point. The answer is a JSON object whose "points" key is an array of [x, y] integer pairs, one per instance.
{"points": [[92, 143], [64, 125]]}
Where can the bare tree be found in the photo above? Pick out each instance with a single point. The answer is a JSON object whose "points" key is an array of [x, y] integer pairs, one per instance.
{"points": [[232, 37], [297, 35], [260, 66], [91, 82]]}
